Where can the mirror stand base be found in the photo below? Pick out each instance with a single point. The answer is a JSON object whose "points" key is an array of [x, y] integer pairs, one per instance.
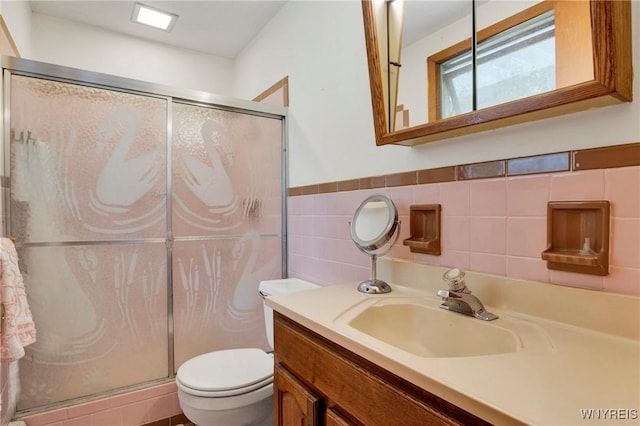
{"points": [[374, 287]]}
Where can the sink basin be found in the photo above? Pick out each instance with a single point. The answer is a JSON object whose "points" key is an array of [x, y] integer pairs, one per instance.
{"points": [[428, 331]]}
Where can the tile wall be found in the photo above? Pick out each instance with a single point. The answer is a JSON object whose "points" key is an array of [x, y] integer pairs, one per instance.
{"points": [[493, 220], [496, 225], [154, 406]]}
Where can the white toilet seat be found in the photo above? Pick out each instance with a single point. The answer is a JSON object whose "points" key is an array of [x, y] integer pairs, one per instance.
{"points": [[226, 373]]}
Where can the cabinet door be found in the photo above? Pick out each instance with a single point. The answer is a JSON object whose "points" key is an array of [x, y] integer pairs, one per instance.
{"points": [[295, 404], [332, 418]]}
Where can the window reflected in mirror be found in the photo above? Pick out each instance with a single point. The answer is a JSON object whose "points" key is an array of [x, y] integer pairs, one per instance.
{"points": [[533, 59], [513, 64], [519, 54]]}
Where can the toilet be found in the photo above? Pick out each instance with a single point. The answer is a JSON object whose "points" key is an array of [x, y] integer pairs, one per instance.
{"points": [[234, 387]]}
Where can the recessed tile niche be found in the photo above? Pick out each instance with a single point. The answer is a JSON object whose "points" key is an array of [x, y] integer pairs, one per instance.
{"points": [[578, 237], [424, 227]]}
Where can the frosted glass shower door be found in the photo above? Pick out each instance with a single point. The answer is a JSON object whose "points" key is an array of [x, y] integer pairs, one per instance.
{"points": [[88, 207], [227, 225], [144, 227]]}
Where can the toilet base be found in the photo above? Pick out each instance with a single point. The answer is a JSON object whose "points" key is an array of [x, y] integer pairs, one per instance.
{"points": [[229, 418], [198, 411]]}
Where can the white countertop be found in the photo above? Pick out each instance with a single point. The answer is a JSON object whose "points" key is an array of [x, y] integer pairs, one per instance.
{"points": [[563, 367]]}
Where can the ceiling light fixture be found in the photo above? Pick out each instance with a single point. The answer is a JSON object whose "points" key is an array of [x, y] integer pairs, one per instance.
{"points": [[153, 17]]}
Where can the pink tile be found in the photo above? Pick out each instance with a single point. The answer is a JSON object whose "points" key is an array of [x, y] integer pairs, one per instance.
{"points": [[103, 404], [622, 189], [405, 228], [311, 246], [625, 243], [488, 263], [455, 259], [402, 197], [426, 194], [623, 280], [162, 407], [306, 204], [401, 251], [338, 227], [320, 226], [48, 417], [346, 203], [455, 233], [303, 225], [526, 237], [294, 263], [107, 418], [294, 205], [295, 225], [488, 197], [338, 250], [79, 421], [528, 195], [294, 244], [358, 274], [454, 197], [488, 235], [527, 268], [336, 272], [342, 203], [162, 389], [577, 186], [594, 282], [427, 259], [300, 266], [323, 204], [135, 414]]}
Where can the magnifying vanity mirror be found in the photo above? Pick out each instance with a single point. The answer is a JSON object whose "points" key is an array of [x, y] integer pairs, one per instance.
{"points": [[374, 224], [442, 68]]}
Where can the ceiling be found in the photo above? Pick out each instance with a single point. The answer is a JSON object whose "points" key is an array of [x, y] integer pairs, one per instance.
{"points": [[224, 27], [217, 27]]}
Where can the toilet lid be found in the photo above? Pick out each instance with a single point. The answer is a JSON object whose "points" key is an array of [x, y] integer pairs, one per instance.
{"points": [[227, 370]]}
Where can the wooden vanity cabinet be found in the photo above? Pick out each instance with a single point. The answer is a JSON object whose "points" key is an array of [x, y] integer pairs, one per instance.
{"points": [[295, 404], [317, 382]]}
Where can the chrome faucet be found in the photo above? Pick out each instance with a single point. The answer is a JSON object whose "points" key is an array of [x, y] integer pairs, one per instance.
{"points": [[458, 297]]}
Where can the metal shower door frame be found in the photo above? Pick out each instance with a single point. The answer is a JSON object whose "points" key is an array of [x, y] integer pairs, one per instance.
{"points": [[28, 68]]}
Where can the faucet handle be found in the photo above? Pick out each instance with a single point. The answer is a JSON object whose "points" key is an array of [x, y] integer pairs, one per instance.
{"points": [[444, 293], [455, 279]]}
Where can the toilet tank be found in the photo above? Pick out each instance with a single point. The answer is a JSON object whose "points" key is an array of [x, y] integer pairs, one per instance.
{"points": [[273, 287]]}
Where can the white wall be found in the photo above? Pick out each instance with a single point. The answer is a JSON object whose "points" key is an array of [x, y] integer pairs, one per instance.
{"points": [[17, 16], [76, 45], [320, 46]]}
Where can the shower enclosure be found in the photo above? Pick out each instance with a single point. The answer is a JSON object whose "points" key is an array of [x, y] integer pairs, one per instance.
{"points": [[145, 217]]}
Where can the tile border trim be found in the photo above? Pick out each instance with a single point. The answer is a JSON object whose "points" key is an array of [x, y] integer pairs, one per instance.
{"points": [[584, 159]]}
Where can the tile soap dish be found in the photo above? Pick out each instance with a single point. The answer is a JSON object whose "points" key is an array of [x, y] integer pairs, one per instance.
{"points": [[578, 237], [424, 227]]}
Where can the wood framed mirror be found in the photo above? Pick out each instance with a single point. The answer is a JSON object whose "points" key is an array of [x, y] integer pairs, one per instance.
{"points": [[600, 74]]}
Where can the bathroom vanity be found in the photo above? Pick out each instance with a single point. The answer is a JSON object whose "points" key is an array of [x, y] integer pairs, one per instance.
{"points": [[556, 355], [324, 383]]}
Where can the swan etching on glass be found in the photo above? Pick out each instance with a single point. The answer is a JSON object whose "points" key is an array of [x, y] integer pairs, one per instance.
{"points": [[124, 179], [246, 298], [208, 180]]}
